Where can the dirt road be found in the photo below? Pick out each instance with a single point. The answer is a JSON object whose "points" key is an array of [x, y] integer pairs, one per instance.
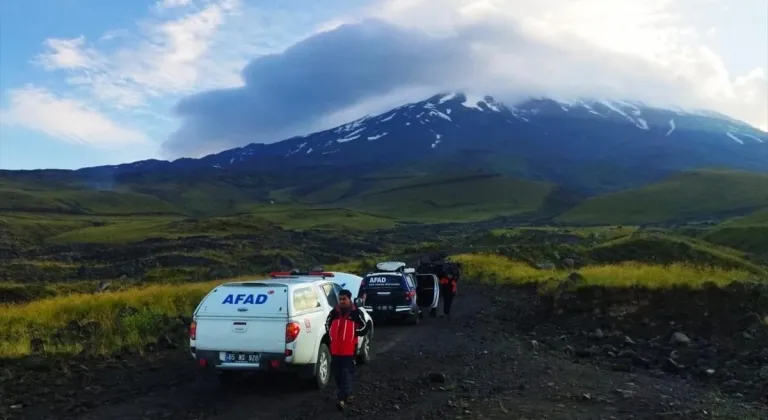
{"points": [[473, 366]]}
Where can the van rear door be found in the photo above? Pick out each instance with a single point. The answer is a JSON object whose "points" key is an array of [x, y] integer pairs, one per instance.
{"points": [[427, 290], [385, 290], [248, 317]]}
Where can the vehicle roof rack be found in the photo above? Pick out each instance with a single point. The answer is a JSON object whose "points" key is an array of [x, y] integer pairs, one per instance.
{"points": [[297, 273], [393, 266]]}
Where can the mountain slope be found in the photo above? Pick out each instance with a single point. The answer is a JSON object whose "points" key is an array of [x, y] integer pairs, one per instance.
{"points": [[591, 146], [687, 196], [450, 156]]}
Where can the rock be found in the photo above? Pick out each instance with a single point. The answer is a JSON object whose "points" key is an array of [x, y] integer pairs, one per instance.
{"points": [[36, 346], [533, 345], [735, 386], [671, 366], [748, 321], [763, 373], [165, 342], [597, 334], [679, 338], [545, 266], [437, 378], [126, 312], [625, 393], [586, 352], [624, 366]]}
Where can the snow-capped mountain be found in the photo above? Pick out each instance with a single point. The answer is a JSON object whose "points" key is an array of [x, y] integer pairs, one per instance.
{"points": [[550, 138], [586, 130]]}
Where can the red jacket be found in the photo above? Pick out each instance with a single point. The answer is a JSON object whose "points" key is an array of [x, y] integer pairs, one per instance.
{"points": [[448, 284], [343, 330]]}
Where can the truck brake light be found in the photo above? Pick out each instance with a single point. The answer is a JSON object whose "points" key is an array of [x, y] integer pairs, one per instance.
{"points": [[410, 294], [292, 330], [193, 330]]}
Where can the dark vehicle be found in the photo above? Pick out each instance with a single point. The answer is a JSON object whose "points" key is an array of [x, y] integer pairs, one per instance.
{"points": [[393, 294]]}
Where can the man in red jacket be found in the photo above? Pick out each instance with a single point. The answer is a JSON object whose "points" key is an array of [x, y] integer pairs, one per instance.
{"points": [[448, 286], [344, 324]]}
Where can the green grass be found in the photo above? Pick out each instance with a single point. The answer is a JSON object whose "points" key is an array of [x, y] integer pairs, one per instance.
{"points": [[694, 195], [602, 233], [81, 201], [501, 270], [758, 218], [306, 217], [455, 198], [748, 233], [662, 248], [73, 229], [44, 318]]}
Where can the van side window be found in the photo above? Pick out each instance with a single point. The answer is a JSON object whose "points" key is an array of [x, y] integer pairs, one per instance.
{"points": [[409, 279], [305, 299], [330, 294]]}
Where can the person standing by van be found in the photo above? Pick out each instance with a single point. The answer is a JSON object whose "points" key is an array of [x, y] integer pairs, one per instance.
{"points": [[345, 323], [448, 286]]}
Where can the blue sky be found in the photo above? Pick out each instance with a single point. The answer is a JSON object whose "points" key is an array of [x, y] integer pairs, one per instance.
{"points": [[86, 82]]}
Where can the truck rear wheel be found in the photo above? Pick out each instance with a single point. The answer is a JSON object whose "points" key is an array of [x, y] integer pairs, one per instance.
{"points": [[365, 350], [322, 368]]}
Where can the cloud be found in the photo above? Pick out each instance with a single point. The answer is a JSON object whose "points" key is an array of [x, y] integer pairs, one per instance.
{"points": [[168, 4], [166, 57], [507, 48], [67, 119], [182, 47]]}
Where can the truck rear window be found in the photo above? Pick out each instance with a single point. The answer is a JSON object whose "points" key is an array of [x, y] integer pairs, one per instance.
{"points": [[383, 281], [305, 299]]}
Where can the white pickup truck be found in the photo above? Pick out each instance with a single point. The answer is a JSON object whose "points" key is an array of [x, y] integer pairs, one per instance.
{"points": [[277, 324]]}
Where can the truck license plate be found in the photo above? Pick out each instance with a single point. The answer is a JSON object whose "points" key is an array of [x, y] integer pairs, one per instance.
{"points": [[241, 357], [385, 308]]}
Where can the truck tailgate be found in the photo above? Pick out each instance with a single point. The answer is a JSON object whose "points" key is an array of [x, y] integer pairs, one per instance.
{"points": [[259, 335], [244, 317]]}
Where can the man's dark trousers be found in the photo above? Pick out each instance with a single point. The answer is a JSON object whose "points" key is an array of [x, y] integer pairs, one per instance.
{"points": [[447, 294], [343, 368]]}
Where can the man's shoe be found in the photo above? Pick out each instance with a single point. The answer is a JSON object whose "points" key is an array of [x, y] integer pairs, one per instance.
{"points": [[341, 405]]}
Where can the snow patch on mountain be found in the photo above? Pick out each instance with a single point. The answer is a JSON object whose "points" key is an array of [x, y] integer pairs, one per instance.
{"points": [[671, 127]]}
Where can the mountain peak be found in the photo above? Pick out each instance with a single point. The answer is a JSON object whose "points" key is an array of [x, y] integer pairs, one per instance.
{"points": [[543, 135]]}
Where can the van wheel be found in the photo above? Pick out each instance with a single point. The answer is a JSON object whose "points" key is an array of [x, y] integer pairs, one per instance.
{"points": [[322, 368], [365, 350]]}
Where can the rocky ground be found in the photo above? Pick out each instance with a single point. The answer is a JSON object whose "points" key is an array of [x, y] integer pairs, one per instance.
{"points": [[506, 354]]}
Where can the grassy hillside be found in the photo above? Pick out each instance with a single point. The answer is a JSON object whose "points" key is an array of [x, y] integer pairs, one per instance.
{"points": [[81, 201], [748, 233], [373, 199], [693, 195], [470, 197]]}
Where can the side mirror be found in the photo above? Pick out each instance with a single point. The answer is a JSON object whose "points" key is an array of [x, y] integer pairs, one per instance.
{"points": [[358, 302]]}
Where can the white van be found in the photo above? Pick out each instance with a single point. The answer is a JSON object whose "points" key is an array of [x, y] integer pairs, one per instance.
{"points": [[277, 324]]}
